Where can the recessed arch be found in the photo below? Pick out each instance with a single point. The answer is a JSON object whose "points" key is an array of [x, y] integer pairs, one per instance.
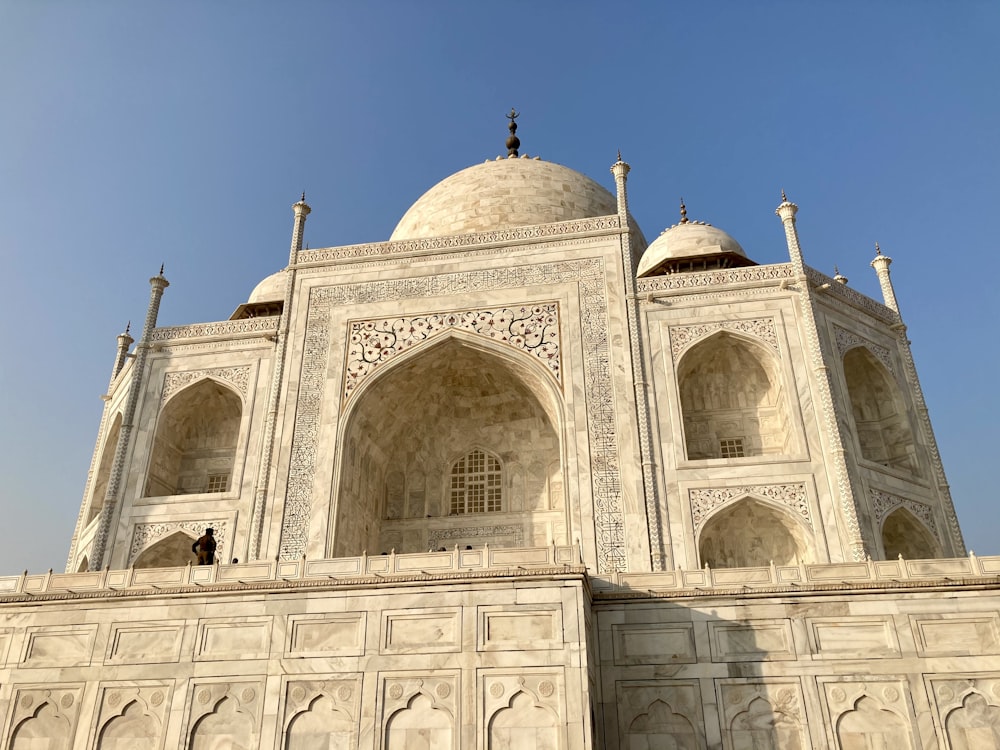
{"points": [[904, 534], [104, 469], [194, 449], [753, 533], [732, 401], [879, 410], [322, 724], [524, 724], [171, 551], [407, 424]]}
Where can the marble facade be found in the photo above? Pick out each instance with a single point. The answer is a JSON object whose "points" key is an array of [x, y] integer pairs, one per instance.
{"points": [[515, 478]]}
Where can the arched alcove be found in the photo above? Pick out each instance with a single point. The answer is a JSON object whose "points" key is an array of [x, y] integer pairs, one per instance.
{"points": [[523, 725], [46, 728], [420, 724], [423, 415], [195, 445], [732, 400], [170, 552], [104, 469], [750, 533], [903, 534], [883, 428], [322, 725], [227, 727], [131, 730], [84, 565]]}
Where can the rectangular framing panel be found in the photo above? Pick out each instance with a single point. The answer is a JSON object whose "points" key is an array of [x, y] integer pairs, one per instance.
{"points": [[636, 644], [149, 643], [256, 643], [52, 646], [421, 630], [753, 640], [953, 634], [852, 638], [324, 635], [511, 627]]}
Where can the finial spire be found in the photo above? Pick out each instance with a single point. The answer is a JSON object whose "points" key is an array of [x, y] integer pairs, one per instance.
{"points": [[619, 154], [161, 269], [784, 198], [878, 250], [684, 213], [128, 326], [513, 143], [303, 198]]}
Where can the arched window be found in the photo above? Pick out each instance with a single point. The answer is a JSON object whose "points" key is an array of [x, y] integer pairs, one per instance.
{"points": [[475, 484]]}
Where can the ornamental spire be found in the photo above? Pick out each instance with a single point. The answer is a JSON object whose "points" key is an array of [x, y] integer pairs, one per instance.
{"points": [[513, 143], [684, 213]]}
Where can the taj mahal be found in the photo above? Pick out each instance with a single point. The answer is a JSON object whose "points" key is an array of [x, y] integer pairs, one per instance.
{"points": [[516, 477]]}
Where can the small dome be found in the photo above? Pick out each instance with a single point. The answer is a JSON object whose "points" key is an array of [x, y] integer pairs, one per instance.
{"points": [[271, 289], [502, 194], [690, 239]]}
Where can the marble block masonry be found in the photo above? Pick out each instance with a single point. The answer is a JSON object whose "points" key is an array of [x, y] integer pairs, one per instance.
{"points": [[515, 478]]}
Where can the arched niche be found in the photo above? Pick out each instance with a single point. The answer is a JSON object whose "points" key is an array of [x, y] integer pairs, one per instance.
{"points": [[732, 401], [84, 565], [869, 725], [525, 725], [750, 533], [131, 730], [104, 470], [424, 411], [879, 410], [195, 445], [172, 551], [46, 728], [322, 725], [227, 727], [419, 724], [903, 534]]}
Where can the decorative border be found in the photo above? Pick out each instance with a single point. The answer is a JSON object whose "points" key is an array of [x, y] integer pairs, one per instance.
{"points": [[847, 340], [883, 503], [221, 328], [437, 536], [459, 241], [531, 328], [588, 274], [759, 328], [850, 296], [175, 381], [145, 533], [709, 279], [792, 496]]}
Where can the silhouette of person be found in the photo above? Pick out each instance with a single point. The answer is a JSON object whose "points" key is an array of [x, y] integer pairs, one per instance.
{"points": [[205, 548]]}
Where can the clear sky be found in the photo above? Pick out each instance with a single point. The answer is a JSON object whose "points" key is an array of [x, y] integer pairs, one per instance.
{"points": [[139, 133]]}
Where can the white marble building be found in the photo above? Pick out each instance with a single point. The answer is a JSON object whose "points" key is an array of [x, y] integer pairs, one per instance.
{"points": [[516, 478]]}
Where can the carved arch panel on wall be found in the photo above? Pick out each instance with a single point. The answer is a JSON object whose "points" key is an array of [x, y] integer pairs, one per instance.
{"points": [[322, 713], [753, 533]]}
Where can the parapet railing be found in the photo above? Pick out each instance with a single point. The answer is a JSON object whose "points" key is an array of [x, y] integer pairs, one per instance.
{"points": [[505, 561], [363, 568], [875, 572]]}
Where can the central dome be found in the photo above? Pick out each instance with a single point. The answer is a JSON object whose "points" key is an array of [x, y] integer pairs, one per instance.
{"points": [[502, 194]]}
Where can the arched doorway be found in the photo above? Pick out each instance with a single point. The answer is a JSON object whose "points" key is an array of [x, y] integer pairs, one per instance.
{"points": [[903, 534], [170, 552], [195, 445], [750, 533], [879, 410], [732, 400], [458, 418]]}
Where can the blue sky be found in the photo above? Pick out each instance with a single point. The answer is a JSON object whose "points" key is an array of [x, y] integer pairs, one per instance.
{"points": [[140, 133]]}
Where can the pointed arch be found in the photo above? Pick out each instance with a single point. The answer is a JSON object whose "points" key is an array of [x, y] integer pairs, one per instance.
{"points": [[171, 551], [194, 448], [321, 724], [752, 533], [419, 724], [974, 725], [882, 426], [104, 469], [84, 565], [46, 727], [904, 534], [408, 424], [659, 727], [227, 726], [870, 725], [732, 401], [132, 729], [524, 724]]}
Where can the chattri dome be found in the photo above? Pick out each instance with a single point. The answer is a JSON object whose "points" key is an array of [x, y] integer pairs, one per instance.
{"points": [[271, 289], [691, 245], [502, 194]]}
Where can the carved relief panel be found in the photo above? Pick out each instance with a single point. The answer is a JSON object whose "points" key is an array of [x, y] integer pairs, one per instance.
{"points": [[763, 715], [322, 713], [523, 710], [656, 714], [132, 716], [874, 713], [44, 717], [967, 711], [420, 711], [224, 712]]}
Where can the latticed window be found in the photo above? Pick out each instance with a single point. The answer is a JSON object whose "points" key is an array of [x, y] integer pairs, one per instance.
{"points": [[218, 482], [732, 448], [475, 484]]}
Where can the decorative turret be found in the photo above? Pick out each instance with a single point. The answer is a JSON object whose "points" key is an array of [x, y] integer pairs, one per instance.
{"points": [[839, 277], [302, 210], [881, 265], [124, 342], [786, 212], [620, 170]]}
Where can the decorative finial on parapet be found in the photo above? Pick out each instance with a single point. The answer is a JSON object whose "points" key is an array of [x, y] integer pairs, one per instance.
{"points": [[838, 277], [619, 155], [878, 250], [784, 198], [684, 213], [161, 269], [303, 198], [513, 143], [128, 327]]}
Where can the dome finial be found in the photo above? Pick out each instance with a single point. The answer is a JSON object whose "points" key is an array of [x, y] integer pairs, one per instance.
{"points": [[684, 213], [513, 143]]}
